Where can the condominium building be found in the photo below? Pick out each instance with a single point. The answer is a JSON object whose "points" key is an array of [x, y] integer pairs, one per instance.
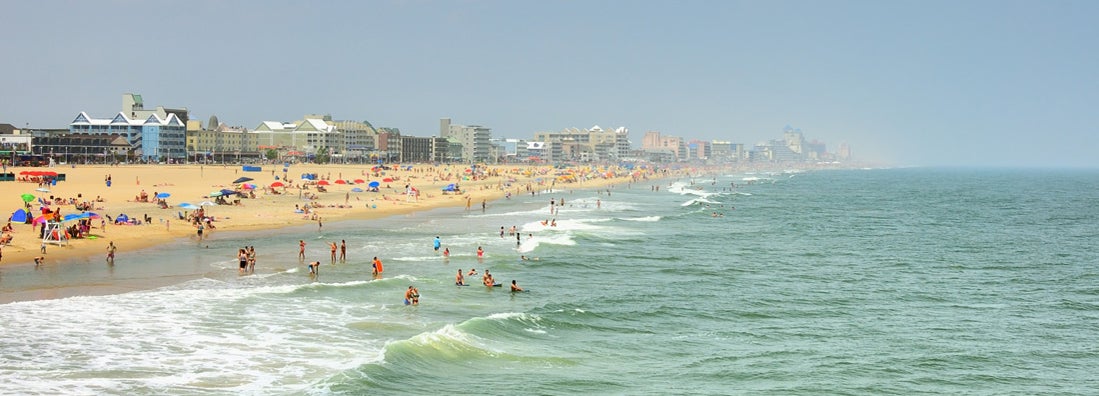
{"points": [[592, 144], [475, 140], [153, 138]]}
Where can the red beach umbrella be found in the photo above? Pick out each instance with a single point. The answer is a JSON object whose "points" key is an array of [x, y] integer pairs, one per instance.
{"points": [[341, 181], [322, 183], [277, 184]]}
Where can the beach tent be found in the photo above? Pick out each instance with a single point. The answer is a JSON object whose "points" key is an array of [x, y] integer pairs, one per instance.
{"points": [[450, 187], [20, 216], [122, 218]]}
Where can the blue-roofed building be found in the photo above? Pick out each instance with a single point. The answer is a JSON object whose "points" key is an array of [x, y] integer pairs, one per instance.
{"points": [[151, 139]]}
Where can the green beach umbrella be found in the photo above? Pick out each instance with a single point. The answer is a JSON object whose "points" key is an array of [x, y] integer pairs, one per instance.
{"points": [[28, 197]]}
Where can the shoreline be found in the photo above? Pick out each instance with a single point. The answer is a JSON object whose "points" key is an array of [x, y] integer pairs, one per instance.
{"points": [[267, 210]]}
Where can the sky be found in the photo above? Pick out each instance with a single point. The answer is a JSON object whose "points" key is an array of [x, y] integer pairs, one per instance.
{"points": [[922, 83]]}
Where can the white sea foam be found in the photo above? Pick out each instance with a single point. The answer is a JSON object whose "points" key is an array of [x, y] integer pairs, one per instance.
{"points": [[231, 338]]}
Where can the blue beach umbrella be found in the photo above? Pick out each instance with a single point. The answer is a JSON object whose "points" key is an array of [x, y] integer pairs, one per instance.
{"points": [[356, 189], [163, 195], [374, 184], [72, 216], [188, 206]]}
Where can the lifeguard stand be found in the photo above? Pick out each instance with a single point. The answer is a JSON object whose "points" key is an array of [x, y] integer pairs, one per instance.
{"points": [[54, 234]]}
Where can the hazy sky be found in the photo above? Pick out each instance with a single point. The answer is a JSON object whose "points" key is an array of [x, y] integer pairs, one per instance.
{"points": [[910, 82]]}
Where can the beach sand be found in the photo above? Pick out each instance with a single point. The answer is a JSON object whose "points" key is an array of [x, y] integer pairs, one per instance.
{"points": [[271, 207]]}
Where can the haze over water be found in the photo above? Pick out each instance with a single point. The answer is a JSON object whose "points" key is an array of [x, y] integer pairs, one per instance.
{"points": [[893, 281]]}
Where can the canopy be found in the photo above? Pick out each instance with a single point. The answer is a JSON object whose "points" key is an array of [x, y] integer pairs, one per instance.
{"points": [[242, 180]]}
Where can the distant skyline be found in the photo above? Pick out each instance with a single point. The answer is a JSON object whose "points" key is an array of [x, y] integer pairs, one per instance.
{"points": [[970, 83]]}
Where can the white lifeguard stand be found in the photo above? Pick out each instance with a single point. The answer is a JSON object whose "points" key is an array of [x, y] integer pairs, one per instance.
{"points": [[54, 234]]}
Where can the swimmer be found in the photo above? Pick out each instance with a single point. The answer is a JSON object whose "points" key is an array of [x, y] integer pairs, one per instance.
{"points": [[446, 252], [459, 280], [472, 271], [411, 296], [515, 287]]}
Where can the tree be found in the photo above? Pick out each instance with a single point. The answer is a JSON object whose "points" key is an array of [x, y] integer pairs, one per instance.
{"points": [[322, 155], [272, 154]]}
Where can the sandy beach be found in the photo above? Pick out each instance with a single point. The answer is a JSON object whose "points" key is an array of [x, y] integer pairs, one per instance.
{"points": [[338, 192]]}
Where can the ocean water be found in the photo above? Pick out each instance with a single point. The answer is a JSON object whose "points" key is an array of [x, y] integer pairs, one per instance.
{"points": [[861, 282]]}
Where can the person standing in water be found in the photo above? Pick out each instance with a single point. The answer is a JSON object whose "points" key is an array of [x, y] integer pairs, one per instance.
{"points": [[110, 252], [301, 249], [437, 243], [376, 267], [412, 296], [343, 250], [460, 280], [514, 287]]}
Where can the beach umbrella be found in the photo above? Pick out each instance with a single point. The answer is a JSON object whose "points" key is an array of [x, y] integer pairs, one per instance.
{"points": [[374, 184], [188, 206], [27, 197], [207, 203], [277, 184], [122, 218], [42, 189], [322, 183], [360, 181], [388, 180], [39, 219], [226, 191], [341, 181], [162, 195], [93, 215], [356, 189], [242, 180], [216, 194], [246, 186], [71, 216]]}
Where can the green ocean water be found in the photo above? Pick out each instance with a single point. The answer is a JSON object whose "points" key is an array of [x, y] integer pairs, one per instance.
{"points": [[884, 281]]}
